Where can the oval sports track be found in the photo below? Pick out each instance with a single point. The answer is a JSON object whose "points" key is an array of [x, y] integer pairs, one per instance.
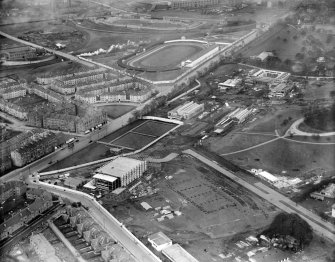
{"points": [[167, 56]]}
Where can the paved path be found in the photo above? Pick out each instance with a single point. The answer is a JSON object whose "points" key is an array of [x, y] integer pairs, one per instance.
{"points": [[52, 51], [250, 148], [108, 222], [294, 130], [164, 159], [184, 94], [257, 133], [321, 227]]}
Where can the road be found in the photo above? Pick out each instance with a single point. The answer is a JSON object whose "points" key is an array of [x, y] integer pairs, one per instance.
{"points": [[84, 141], [109, 223], [185, 93], [25, 231], [52, 51], [319, 226]]}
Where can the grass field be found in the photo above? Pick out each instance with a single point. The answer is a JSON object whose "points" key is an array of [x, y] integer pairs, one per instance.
{"points": [[278, 156], [281, 155], [93, 152], [167, 56], [133, 141], [115, 111], [154, 128], [139, 134]]}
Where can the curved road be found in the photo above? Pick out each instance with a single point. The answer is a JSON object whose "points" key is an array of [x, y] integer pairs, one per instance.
{"points": [[294, 130]]}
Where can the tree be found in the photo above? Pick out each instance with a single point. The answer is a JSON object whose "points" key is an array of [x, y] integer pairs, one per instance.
{"points": [[292, 225], [288, 62]]}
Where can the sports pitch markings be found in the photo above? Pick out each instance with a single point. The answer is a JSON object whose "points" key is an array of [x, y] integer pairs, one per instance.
{"points": [[141, 135]]}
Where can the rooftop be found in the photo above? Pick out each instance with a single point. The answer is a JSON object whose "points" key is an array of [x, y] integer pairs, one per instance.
{"points": [[159, 238], [105, 177], [120, 166], [177, 254]]}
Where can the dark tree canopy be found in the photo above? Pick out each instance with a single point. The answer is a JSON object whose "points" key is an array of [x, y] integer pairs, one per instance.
{"points": [[321, 118], [292, 225]]}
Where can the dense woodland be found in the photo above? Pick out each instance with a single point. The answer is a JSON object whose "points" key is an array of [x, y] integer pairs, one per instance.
{"points": [[321, 118]]}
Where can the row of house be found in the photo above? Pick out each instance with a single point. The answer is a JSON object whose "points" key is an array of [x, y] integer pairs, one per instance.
{"points": [[66, 122], [17, 53], [49, 78], [47, 94], [17, 141], [10, 86], [5, 164], [14, 92], [11, 189], [25, 215], [13, 109], [129, 95], [38, 146]]}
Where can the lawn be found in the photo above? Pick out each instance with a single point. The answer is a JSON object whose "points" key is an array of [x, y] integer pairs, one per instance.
{"points": [[115, 111], [282, 155], [167, 56], [133, 141], [154, 128], [94, 151]]}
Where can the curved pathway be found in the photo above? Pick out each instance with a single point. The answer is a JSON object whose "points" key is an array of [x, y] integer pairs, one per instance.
{"points": [[294, 130], [164, 159], [252, 147]]}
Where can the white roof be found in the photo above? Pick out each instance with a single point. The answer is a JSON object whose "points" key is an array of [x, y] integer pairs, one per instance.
{"points": [[105, 177], [230, 82], [268, 176], [264, 55], [120, 166], [145, 205], [177, 254], [90, 185], [159, 238]]}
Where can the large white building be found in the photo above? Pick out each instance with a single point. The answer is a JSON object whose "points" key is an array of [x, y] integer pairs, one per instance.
{"points": [[119, 173], [269, 76], [186, 111], [159, 241]]}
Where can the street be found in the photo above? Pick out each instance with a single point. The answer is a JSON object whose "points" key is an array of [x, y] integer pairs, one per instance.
{"points": [[109, 223], [319, 226]]}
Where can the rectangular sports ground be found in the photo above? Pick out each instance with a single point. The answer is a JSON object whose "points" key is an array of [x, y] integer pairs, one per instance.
{"points": [[141, 135]]}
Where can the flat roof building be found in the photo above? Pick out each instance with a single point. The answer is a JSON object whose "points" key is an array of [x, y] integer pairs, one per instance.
{"points": [[119, 172], [159, 241], [186, 111], [178, 254], [229, 83]]}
